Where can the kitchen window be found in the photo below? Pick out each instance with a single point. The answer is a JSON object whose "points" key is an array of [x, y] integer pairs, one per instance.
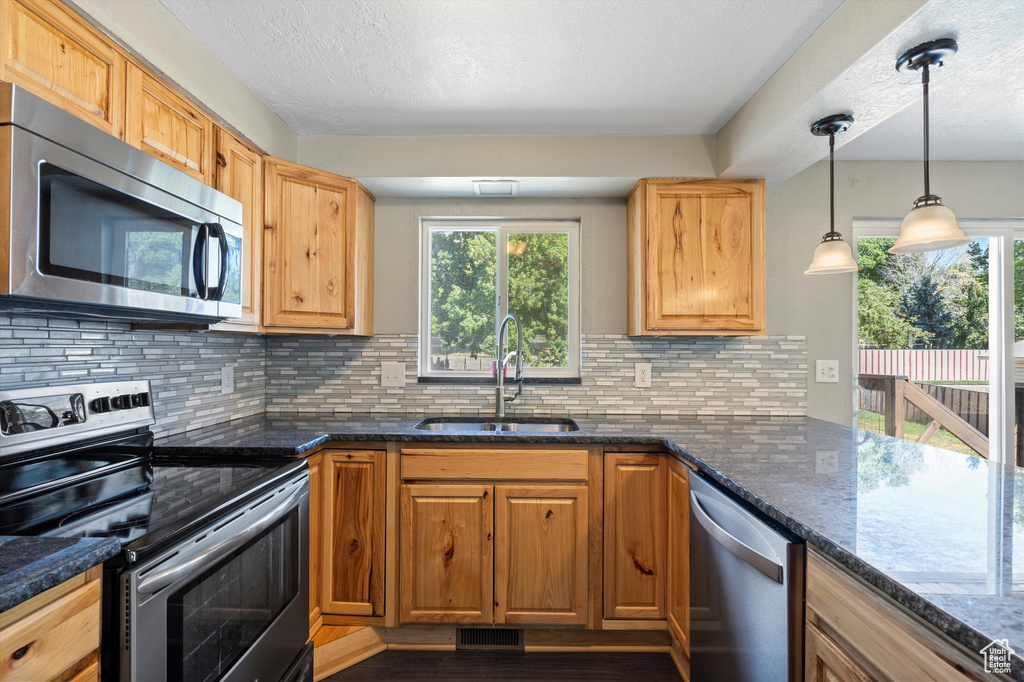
{"points": [[474, 272]]}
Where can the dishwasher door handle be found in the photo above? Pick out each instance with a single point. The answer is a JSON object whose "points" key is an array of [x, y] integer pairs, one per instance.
{"points": [[744, 552]]}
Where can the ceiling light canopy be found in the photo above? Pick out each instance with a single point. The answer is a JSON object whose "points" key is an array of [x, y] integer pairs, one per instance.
{"points": [[929, 226], [833, 255], [496, 188]]}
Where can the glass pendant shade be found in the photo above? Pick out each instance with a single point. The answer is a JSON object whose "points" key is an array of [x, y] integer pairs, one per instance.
{"points": [[832, 256], [929, 227]]}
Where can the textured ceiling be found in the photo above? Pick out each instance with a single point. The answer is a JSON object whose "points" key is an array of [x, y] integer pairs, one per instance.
{"points": [[975, 115], [398, 67]]}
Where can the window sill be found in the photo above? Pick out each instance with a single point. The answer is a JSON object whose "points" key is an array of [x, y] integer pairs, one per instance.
{"points": [[491, 381]]}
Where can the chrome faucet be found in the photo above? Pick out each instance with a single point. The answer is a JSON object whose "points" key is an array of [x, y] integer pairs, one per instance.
{"points": [[499, 392]]}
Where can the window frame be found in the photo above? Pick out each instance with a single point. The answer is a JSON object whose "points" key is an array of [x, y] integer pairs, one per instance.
{"points": [[502, 227]]}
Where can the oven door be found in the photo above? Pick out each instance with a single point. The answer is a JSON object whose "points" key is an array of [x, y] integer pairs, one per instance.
{"points": [[231, 604], [84, 233]]}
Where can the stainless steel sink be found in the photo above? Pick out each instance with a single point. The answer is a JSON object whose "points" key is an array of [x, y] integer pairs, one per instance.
{"points": [[486, 425]]}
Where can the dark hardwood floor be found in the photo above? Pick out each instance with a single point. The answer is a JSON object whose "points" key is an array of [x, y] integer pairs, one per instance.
{"points": [[510, 665]]}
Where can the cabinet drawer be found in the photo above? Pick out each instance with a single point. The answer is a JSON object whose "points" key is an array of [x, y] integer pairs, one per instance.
{"points": [[45, 643], [494, 465]]}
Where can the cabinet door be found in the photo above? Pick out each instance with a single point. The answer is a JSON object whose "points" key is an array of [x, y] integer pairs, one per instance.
{"points": [[317, 250], [446, 537], [826, 662], [53, 54], [704, 262], [679, 553], [540, 554], [316, 535], [634, 540], [353, 582], [164, 124], [239, 174]]}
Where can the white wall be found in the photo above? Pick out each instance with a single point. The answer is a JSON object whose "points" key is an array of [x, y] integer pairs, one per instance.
{"points": [[822, 308], [150, 30]]}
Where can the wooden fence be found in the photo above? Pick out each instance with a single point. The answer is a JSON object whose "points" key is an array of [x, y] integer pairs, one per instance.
{"points": [[925, 365]]}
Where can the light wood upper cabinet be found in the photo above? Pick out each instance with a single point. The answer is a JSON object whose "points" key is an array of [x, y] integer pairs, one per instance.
{"points": [[678, 589], [695, 257], [317, 252], [634, 536], [353, 580], [49, 51], [239, 174], [446, 540], [540, 554], [316, 536], [164, 124]]}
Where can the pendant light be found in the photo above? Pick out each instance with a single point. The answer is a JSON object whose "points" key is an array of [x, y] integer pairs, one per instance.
{"points": [[929, 226], [833, 255]]}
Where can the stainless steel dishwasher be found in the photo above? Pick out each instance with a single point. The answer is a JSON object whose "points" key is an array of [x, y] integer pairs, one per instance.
{"points": [[746, 592]]}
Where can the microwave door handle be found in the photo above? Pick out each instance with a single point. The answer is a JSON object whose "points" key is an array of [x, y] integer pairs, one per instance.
{"points": [[199, 256], [204, 559], [222, 278]]}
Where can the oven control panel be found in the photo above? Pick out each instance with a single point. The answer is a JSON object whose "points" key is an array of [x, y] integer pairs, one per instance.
{"points": [[35, 418]]}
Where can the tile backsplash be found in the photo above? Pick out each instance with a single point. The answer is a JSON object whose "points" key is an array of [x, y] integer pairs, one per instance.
{"points": [[341, 375], [184, 367], [715, 375]]}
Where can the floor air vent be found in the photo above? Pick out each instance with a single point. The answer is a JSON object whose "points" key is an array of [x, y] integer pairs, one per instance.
{"points": [[487, 638]]}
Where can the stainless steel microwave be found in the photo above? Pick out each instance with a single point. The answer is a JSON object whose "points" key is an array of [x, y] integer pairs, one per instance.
{"points": [[92, 226]]}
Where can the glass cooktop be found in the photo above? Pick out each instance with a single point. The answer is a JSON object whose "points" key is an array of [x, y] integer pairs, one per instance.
{"points": [[138, 499]]}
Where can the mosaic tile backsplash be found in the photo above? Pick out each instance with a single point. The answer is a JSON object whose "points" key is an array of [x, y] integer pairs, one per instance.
{"points": [[719, 375], [184, 368], [341, 375]]}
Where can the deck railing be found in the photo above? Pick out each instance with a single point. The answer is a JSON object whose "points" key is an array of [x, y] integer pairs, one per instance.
{"points": [[898, 392]]}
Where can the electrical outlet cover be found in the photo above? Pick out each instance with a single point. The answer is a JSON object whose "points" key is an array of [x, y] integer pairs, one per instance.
{"points": [[642, 374], [227, 380]]}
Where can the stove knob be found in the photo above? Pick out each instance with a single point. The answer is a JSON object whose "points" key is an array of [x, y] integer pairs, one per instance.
{"points": [[121, 402], [100, 405], [140, 400]]}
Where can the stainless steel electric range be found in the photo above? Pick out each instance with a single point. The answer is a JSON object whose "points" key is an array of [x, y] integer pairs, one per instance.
{"points": [[212, 579]]}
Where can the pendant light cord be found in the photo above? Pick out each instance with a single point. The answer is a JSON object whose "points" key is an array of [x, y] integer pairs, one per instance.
{"points": [[831, 183], [927, 169]]}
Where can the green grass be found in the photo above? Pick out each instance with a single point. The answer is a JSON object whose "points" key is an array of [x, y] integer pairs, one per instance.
{"points": [[875, 422]]}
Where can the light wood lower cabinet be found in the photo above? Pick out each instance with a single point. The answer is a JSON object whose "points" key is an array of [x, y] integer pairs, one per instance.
{"points": [[678, 590], [540, 554], [54, 635], [354, 503], [634, 535], [446, 553], [316, 536], [855, 633]]}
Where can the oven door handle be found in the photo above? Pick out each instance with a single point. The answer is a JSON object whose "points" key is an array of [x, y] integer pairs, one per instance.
{"points": [[158, 581]]}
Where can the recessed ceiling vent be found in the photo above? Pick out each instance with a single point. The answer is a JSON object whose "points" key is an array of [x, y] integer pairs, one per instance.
{"points": [[496, 188], [489, 638]]}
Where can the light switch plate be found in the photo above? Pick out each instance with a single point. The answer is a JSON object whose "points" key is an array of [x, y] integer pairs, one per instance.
{"points": [[827, 372], [227, 380], [642, 374], [392, 374]]}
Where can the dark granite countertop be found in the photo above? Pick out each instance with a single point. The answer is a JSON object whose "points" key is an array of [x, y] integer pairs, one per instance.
{"points": [[939, 532], [30, 565]]}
